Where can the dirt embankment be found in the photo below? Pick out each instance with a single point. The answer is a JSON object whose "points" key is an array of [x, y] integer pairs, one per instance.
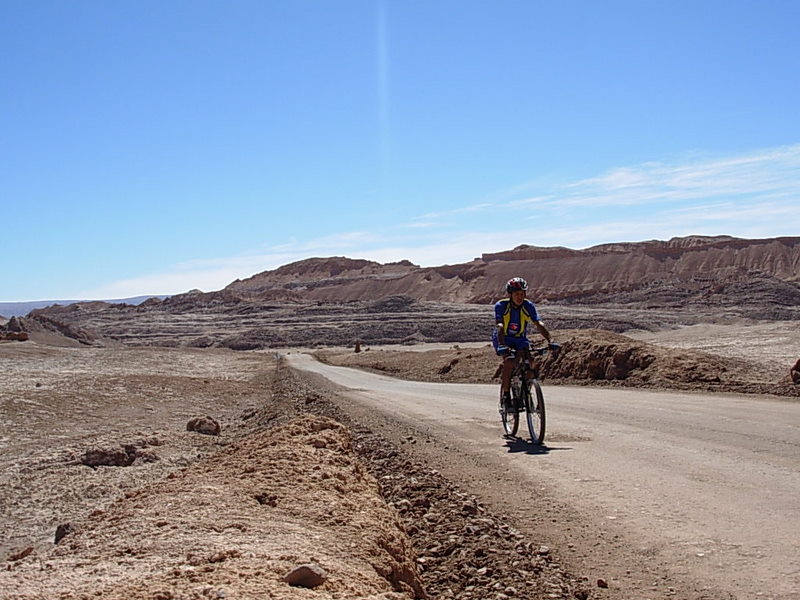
{"points": [[587, 357], [282, 489], [238, 524]]}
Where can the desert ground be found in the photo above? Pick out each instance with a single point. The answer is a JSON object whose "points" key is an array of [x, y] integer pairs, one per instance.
{"points": [[96, 453]]}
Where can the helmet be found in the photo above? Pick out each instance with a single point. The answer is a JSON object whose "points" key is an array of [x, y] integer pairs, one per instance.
{"points": [[516, 284]]}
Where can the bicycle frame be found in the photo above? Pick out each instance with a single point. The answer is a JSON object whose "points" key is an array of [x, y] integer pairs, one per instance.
{"points": [[526, 395]]}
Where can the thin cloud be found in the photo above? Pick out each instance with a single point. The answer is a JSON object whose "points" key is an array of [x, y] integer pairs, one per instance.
{"points": [[335, 242], [763, 213], [724, 218], [752, 195], [773, 171], [419, 225], [543, 200], [473, 208]]}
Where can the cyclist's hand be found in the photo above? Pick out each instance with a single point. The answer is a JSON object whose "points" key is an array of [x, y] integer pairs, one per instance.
{"points": [[502, 351]]}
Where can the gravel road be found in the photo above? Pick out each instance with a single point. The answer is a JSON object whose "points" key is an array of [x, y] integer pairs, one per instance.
{"points": [[661, 494]]}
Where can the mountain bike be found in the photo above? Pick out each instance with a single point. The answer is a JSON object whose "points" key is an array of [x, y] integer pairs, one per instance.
{"points": [[526, 395]]}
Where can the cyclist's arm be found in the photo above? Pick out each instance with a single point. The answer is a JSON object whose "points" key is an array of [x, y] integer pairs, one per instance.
{"points": [[543, 330], [501, 334]]}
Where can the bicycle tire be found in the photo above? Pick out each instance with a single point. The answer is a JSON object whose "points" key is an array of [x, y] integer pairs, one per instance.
{"points": [[510, 420], [535, 412]]}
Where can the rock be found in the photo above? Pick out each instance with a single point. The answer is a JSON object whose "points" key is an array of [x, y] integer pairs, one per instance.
{"points": [[307, 576], [16, 336], [15, 324], [145, 456], [267, 499], [20, 554], [203, 341], [121, 456], [602, 583], [468, 508], [107, 457], [205, 425], [224, 555], [448, 367], [63, 530]]}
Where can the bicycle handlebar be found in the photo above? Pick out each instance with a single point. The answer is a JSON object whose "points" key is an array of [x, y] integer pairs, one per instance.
{"points": [[551, 347]]}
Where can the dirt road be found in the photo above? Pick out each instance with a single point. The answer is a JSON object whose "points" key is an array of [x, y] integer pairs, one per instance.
{"points": [[662, 494]]}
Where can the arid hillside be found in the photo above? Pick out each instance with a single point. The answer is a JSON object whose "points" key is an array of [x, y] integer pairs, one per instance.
{"points": [[690, 268], [339, 301]]}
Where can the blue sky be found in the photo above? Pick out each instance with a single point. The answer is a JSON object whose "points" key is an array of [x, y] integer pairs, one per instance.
{"points": [[153, 147]]}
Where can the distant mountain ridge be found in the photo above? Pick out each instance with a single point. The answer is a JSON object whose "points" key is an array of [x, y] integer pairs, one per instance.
{"points": [[701, 264], [337, 300], [20, 309]]}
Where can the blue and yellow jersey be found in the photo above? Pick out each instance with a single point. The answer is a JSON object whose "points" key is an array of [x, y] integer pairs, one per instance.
{"points": [[515, 320]]}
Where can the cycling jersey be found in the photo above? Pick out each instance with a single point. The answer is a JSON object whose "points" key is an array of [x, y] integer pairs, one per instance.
{"points": [[515, 322]]}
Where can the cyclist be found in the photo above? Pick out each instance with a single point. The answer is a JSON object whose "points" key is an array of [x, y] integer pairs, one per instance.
{"points": [[512, 317]]}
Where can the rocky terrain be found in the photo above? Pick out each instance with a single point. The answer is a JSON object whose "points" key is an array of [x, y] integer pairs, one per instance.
{"points": [[337, 301], [142, 457], [105, 493]]}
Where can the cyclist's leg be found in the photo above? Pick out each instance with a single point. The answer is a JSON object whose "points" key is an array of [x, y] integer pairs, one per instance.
{"points": [[504, 370], [509, 362], [518, 345], [505, 376]]}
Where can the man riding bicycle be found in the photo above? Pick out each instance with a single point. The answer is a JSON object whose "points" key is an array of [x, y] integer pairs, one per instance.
{"points": [[512, 317]]}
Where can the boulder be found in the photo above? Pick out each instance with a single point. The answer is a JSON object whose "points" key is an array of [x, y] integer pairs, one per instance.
{"points": [[16, 336], [307, 576], [794, 372], [205, 425], [107, 457]]}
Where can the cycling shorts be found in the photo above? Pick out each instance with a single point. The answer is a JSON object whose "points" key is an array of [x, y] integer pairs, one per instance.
{"points": [[515, 343]]}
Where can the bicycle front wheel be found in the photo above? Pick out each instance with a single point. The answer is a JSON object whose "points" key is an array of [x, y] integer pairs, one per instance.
{"points": [[510, 420], [535, 413]]}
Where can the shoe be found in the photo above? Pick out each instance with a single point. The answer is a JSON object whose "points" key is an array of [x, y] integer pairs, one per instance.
{"points": [[508, 405]]}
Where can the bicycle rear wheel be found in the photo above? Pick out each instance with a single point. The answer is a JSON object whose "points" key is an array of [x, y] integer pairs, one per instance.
{"points": [[535, 413], [510, 419]]}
